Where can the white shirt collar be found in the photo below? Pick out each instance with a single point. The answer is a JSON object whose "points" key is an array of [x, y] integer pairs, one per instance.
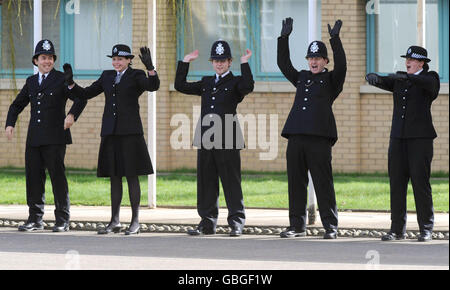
{"points": [[40, 75], [416, 73], [121, 72], [223, 75]]}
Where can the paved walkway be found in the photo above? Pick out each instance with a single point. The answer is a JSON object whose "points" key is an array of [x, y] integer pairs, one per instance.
{"points": [[255, 217]]}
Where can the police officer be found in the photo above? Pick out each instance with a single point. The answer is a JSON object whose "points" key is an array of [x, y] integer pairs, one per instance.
{"points": [[218, 136], [311, 129], [411, 140], [123, 151], [48, 134]]}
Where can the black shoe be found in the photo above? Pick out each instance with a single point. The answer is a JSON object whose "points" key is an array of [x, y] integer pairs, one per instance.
{"points": [[133, 229], [110, 228], [64, 227], [200, 230], [235, 231], [391, 236], [425, 237], [330, 235], [291, 232], [31, 226]]}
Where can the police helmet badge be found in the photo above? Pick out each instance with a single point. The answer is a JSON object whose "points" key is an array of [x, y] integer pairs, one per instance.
{"points": [[46, 45], [220, 49], [115, 50], [314, 47]]}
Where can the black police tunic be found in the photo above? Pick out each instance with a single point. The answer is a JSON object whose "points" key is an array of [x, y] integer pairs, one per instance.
{"points": [[48, 109], [123, 151], [311, 113]]}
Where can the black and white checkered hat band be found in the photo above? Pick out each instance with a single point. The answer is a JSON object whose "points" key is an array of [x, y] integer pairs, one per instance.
{"points": [[415, 55], [124, 53]]}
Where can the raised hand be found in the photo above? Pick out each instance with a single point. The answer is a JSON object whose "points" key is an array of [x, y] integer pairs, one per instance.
{"points": [[336, 29], [146, 58], [246, 56], [287, 27], [190, 57], [68, 74]]}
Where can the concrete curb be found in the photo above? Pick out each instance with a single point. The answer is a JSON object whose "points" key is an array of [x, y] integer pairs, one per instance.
{"points": [[248, 230]]}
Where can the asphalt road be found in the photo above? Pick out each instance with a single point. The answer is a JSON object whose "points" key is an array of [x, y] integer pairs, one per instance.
{"points": [[87, 250]]}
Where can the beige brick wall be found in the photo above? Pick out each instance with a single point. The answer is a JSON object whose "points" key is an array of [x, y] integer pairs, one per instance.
{"points": [[363, 119]]}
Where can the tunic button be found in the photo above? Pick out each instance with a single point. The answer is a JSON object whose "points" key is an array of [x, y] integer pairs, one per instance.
{"points": [[38, 112], [213, 98], [404, 98], [226, 89], [212, 107], [306, 99], [403, 116], [114, 95], [214, 89], [114, 105], [51, 94], [404, 107], [39, 103], [304, 108], [406, 90], [39, 120], [306, 90]]}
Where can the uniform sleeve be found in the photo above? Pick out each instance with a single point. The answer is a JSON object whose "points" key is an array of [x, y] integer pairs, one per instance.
{"points": [[22, 100], [246, 83], [340, 63], [181, 85], [429, 82], [150, 83], [89, 92], [284, 60]]}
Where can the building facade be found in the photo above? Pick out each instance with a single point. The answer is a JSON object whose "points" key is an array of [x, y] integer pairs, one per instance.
{"points": [[374, 35]]}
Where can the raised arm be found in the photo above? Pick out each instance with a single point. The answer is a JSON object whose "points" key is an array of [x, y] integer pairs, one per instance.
{"points": [[283, 54], [181, 85], [340, 60]]}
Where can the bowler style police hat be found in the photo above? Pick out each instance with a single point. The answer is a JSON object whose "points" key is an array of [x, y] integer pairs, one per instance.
{"points": [[317, 49], [121, 50], [220, 50], [44, 46], [417, 52]]}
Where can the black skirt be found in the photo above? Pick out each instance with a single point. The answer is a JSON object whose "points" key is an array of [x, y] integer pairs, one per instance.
{"points": [[123, 155]]}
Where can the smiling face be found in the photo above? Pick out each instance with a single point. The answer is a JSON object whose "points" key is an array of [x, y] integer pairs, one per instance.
{"points": [[45, 63], [413, 65], [120, 63], [317, 64], [221, 66]]}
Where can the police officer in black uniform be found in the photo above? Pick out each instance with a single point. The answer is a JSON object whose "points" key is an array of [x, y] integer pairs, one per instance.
{"points": [[411, 140], [218, 154], [48, 134], [311, 129], [123, 151]]}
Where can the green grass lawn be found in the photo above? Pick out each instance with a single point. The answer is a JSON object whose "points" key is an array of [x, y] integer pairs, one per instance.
{"points": [[365, 192]]}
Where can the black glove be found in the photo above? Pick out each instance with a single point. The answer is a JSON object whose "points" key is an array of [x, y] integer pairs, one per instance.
{"points": [[335, 31], [399, 76], [146, 58], [287, 27], [68, 74], [373, 79]]}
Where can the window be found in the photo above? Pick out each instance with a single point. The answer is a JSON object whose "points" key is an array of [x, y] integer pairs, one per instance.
{"points": [[82, 39], [243, 24], [394, 29]]}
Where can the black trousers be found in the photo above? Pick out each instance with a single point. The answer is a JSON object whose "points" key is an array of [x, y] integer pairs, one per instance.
{"points": [[311, 153], [410, 159], [226, 164], [37, 159]]}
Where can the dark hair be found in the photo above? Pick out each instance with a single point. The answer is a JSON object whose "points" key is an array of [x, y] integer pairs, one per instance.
{"points": [[426, 67]]}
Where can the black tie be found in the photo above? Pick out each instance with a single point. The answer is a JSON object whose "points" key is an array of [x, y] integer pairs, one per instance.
{"points": [[42, 79]]}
